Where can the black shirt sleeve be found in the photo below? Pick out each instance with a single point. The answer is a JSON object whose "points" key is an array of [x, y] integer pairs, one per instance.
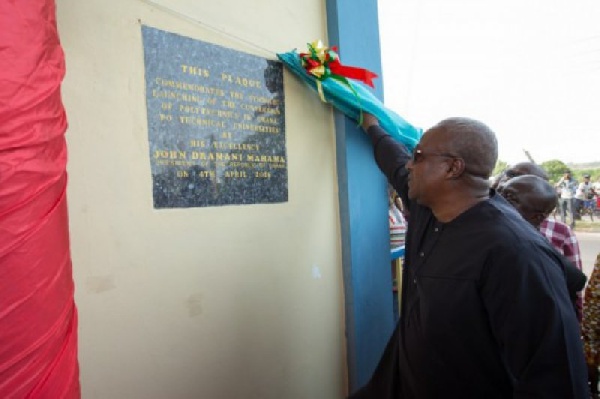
{"points": [[391, 157]]}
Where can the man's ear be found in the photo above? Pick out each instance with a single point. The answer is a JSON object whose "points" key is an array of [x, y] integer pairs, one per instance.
{"points": [[456, 168]]}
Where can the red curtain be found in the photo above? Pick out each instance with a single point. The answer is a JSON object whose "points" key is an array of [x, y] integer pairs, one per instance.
{"points": [[38, 318]]}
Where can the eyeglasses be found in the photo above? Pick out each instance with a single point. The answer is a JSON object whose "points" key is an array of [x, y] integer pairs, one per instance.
{"points": [[418, 155]]}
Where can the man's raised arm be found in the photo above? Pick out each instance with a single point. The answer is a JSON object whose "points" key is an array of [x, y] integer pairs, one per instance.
{"points": [[390, 155]]}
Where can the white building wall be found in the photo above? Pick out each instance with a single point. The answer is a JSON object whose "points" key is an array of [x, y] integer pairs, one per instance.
{"points": [[223, 302]]}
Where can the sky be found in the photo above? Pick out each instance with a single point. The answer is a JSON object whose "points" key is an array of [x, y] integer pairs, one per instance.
{"points": [[528, 69]]}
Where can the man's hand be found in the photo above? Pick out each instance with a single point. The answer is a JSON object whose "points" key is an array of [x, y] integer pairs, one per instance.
{"points": [[368, 121]]}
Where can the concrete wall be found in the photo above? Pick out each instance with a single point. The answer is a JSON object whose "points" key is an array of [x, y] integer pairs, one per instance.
{"points": [[220, 302]]}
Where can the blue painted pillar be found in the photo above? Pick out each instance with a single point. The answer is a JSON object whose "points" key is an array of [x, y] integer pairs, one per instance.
{"points": [[353, 27]]}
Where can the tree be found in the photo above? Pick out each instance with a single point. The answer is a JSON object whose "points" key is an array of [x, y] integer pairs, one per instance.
{"points": [[500, 167], [579, 173], [555, 169]]}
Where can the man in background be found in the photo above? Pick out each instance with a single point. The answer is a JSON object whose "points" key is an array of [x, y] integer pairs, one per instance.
{"points": [[566, 187], [534, 198], [559, 234], [585, 192]]}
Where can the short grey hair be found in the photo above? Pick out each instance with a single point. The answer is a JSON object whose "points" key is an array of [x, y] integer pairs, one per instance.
{"points": [[473, 141]]}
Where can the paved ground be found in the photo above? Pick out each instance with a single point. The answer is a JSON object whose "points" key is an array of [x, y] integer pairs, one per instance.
{"points": [[589, 244]]}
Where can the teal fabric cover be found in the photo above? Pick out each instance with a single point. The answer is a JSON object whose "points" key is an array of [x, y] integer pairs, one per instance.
{"points": [[342, 98]]}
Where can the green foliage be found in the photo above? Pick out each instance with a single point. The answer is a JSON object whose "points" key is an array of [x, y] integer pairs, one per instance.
{"points": [[594, 174], [500, 167], [555, 169]]}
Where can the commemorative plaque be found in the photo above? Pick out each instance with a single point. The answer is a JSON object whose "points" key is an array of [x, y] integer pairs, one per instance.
{"points": [[216, 124]]}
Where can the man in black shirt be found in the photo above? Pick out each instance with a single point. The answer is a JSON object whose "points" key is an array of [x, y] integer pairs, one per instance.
{"points": [[485, 311]]}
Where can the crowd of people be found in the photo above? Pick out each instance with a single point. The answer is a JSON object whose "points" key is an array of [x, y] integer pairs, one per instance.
{"points": [[491, 299], [573, 196]]}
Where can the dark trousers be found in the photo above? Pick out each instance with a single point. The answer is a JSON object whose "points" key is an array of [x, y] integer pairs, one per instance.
{"points": [[567, 206]]}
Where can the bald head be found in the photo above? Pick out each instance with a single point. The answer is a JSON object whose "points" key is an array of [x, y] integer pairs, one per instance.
{"points": [[532, 196], [472, 141], [521, 169], [526, 168]]}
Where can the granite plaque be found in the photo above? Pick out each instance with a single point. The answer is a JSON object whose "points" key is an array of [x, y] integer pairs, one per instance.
{"points": [[216, 124]]}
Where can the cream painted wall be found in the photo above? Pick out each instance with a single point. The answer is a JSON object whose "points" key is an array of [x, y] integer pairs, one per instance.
{"points": [[212, 303]]}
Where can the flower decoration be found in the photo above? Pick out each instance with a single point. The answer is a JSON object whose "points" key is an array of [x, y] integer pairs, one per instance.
{"points": [[321, 70], [324, 62]]}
